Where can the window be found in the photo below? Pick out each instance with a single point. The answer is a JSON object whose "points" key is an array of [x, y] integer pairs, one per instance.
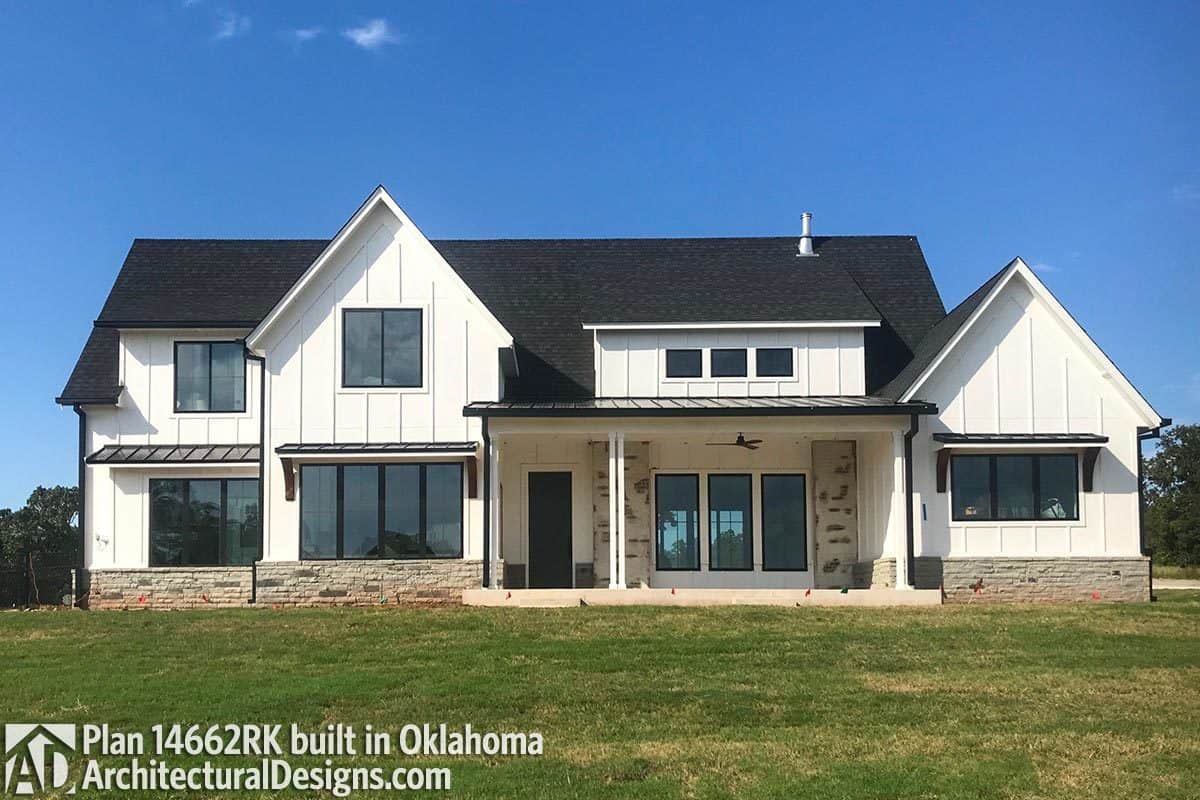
{"points": [[785, 522], [773, 362], [684, 363], [381, 348], [677, 521], [728, 363], [1014, 487], [730, 526], [381, 511], [204, 523], [210, 376]]}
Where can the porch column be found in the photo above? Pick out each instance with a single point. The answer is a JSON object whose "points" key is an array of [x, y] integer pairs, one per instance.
{"points": [[897, 525], [494, 513], [616, 510]]}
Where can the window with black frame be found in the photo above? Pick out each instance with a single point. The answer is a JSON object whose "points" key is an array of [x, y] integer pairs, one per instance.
{"points": [[677, 522], [1025, 487], [357, 511], [785, 522], [730, 523], [205, 522], [210, 377], [687, 363], [381, 348]]}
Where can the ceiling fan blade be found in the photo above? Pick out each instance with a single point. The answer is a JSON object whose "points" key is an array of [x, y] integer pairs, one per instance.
{"points": [[751, 446], [754, 441], [724, 444]]}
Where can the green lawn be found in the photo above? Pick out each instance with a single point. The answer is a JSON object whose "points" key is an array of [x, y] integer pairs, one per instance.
{"points": [[1179, 573], [1085, 700]]}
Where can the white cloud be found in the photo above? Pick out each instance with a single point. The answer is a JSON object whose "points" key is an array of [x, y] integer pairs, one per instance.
{"points": [[1185, 193], [301, 35], [232, 24], [1042, 266], [372, 35]]}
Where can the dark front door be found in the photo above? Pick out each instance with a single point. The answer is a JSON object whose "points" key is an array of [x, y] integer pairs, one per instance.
{"points": [[550, 530]]}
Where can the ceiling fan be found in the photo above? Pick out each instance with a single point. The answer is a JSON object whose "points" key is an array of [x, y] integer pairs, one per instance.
{"points": [[741, 441]]}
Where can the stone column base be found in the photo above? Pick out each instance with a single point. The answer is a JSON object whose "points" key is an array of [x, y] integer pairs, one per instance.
{"points": [[877, 574], [166, 587]]}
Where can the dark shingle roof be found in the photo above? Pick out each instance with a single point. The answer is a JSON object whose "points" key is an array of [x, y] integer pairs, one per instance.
{"points": [[94, 379], [543, 290], [939, 336]]}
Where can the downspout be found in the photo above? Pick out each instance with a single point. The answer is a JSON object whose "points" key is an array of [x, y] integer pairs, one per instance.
{"points": [[910, 559], [262, 465], [487, 505], [82, 513], [1143, 435]]}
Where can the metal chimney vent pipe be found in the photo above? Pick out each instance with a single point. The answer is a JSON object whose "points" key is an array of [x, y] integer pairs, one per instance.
{"points": [[805, 247]]}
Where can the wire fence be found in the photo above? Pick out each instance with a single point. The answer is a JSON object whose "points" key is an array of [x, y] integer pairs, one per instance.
{"points": [[33, 584]]}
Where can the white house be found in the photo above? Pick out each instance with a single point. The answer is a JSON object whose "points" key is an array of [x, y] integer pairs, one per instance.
{"points": [[379, 418]]}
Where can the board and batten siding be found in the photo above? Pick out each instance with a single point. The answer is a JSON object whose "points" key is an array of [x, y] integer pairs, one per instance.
{"points": [[384, 264], [118, 505], [1022, 369], [826, 362]]}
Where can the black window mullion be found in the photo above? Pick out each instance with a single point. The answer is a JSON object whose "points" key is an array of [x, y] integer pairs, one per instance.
{"points": [[994, 488], [422, 533], [187, 517], [381, 481], [209, 347], [382, 349], [1037, 487], [341, 527], [222, 516]]}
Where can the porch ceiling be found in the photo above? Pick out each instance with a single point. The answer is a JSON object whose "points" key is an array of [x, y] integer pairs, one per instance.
{"points": [[825, 406]]}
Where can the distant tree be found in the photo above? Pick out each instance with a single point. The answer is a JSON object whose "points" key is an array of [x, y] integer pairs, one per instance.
{"points": [[1172, 486], [44, 530]]}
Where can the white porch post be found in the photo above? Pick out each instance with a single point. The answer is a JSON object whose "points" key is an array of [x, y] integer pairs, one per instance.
{"points": [[616, 510], [899, 499], [494, 513]]}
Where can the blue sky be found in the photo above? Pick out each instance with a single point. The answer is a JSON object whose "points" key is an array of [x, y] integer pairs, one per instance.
{"points": [[1069, 135]]}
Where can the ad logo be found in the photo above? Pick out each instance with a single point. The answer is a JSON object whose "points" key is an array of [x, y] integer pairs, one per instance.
{"points": [[36, 757]]}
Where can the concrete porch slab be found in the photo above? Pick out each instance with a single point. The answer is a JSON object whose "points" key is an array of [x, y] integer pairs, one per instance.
{"points": [[563, 598]]}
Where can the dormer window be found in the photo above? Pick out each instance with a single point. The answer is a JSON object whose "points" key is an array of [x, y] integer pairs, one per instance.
{"points": [[210, 377], [381, 348], [773, 362], [685, 363], [728, 362]]}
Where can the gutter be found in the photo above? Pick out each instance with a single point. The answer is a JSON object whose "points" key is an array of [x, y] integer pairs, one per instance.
{"points": [[1145, 434], [82, 513], [909, 523], [262, 465], [487, 505]]}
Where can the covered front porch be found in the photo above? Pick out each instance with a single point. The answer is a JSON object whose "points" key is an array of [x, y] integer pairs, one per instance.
{"points": [[697, 502]]}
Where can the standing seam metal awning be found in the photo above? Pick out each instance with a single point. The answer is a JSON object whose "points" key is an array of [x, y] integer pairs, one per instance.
{"points": [[118, 454], [829, 405], [1090, 444]]}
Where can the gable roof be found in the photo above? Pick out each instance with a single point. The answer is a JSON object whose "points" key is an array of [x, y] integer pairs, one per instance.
{"points": [[937, 337], [542, 291], [942, 339]]}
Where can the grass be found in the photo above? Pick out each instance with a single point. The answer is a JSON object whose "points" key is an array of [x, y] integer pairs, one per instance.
{"points": [[1182, 573], [1083, 700]]}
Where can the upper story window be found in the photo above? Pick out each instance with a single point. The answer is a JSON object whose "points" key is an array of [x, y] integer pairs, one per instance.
{"points": [[210, 376], [381, 348], [773, 362], [1014, 487], [728, 362], [685, 363]]}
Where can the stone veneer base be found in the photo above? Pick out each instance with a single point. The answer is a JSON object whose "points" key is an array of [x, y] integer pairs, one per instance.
{"points": [[967, 580], [368, 582], [166, 587]]}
